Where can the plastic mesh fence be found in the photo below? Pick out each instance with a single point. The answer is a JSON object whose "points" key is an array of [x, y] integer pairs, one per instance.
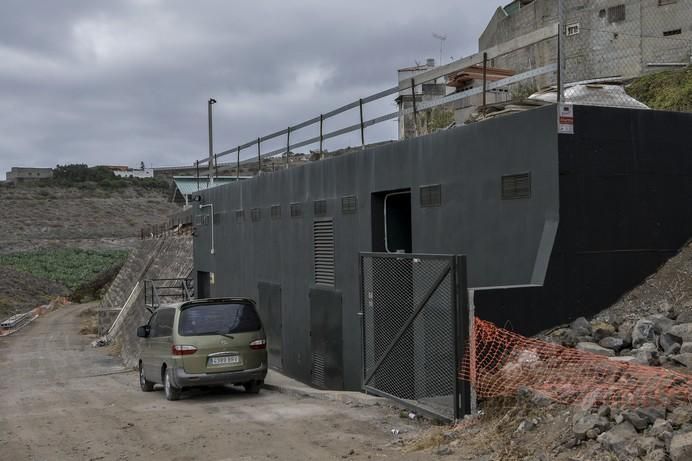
{"points": [[500, 362]]}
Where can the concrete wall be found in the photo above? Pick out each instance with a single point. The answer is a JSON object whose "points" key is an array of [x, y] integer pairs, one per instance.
{"points": [[507, 241], [602, 48], [19, 174]]}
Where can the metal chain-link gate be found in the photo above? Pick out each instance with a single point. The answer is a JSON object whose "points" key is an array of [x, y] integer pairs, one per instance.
{"points": [[415, 325]]}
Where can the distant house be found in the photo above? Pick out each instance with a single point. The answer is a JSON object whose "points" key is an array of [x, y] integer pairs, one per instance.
{"points": [[25, 174], [135, 173]]}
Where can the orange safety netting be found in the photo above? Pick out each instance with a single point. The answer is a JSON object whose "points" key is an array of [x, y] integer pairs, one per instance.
{"points": [[499, 363]]}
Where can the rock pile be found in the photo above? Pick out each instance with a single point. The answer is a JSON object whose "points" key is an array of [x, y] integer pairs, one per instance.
{"points": [[656, 340], [650, 434]]}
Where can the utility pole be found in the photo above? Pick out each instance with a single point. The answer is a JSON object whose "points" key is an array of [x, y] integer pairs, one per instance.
{"points": [[211, 143]]}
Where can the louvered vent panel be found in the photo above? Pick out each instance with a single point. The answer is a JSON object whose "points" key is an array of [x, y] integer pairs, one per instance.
{"points": [[323, 242], [276, 211], [256, 214], [516, 186], [319, 370], [349, 204], [239, 215], [320, 207], [296, 210], [431, 196]]}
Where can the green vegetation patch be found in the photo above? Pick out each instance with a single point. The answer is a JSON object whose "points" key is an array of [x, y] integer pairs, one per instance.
{"points": [[69, 267], [666, 90]]}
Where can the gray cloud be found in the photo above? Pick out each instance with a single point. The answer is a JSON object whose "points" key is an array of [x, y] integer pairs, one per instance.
{"points": [[118, 82]]}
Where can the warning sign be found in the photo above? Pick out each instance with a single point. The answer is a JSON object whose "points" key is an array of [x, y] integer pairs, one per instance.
{"points": [[565, 119]]}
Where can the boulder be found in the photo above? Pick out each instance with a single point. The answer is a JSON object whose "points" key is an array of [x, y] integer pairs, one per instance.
{"points": [[581, 327], [602, 330], [618, 439], [684, 317], [668, 343], [683, 331], [647, 356], [595, 349], [686, 348], [611, 342], [649, 444], [683, 359], [638, 421], [583, 423], [662, 324], [623, 359], [643, 332], [660, 426], [657, 455], [564, 337], [625, 331], [681, 447], [680, 415], [652, 414]]}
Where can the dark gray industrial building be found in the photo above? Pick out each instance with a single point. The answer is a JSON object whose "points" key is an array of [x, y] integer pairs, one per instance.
{"points": [[553, 227]]}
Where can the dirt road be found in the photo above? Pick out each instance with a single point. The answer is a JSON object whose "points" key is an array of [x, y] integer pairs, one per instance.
{"points": [[63, 400]]}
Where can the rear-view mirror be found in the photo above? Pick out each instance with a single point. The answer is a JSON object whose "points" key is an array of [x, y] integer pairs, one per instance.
{"points": [[143, 331]]}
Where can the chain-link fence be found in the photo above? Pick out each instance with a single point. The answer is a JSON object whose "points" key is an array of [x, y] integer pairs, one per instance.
{"points": [[411, 333], [627, 52]]}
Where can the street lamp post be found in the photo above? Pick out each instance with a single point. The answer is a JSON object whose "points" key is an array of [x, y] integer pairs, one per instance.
{"points": [[211, 142]]}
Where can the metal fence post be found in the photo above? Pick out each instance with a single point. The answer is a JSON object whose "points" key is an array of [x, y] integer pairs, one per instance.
{"points": [[288, 143], [462, 394], [321, 133], [237, 166], [362, 124], [415, 120], [259, 157], [561, 51]]}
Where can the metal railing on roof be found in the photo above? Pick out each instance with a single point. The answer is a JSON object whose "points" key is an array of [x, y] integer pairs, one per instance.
{"points": [[433, 74]]}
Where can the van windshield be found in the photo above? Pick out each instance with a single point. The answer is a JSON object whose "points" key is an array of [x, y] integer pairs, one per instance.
{"points": [[218, 319]]}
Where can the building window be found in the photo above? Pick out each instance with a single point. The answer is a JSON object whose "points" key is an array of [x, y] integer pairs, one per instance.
{"points": [[239, 215], [431, 196], [572, 29], [668, 33], [349, 204], [616, 13], [256, 214], [296, 210], [516, 186], [320, 207], [276, 211]]}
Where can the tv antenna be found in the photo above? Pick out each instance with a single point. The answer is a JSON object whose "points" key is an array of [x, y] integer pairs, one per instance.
{"points": [[441, 38]]}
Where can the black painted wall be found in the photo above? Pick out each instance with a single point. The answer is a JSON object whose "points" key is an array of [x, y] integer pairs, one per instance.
{"points": [[507, 242], [625, 208]]}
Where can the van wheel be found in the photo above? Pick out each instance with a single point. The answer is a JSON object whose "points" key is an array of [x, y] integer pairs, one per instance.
{"points": [[172, 392], [144, 383], [253, 387]]}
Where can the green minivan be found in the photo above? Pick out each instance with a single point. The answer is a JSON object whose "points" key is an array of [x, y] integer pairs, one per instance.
{"points": [[204, 342]]}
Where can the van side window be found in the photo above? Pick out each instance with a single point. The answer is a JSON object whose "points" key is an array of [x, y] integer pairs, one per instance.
{"points": [[163, 323]]}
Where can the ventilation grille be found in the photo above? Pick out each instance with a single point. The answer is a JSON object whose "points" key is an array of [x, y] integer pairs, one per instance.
{"points": [[296, 210], [320, 207], [349, 204], [616, 13], [319, 370], [276, 211], [516, 186], [239, 215], [323, 242], [431, 195], [256, 214]]}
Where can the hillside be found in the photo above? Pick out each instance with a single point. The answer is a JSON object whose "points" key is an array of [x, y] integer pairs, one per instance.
{"points": [[94, 217], [64, 238], [666, 90]]}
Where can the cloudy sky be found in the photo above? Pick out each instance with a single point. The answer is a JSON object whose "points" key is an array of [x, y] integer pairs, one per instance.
{"points": [[119, 82]]}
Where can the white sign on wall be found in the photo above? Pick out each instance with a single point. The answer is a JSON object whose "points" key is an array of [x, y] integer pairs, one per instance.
{"points": [[565, 118]]}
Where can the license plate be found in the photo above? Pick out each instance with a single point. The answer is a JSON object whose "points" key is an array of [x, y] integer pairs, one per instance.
{"points": [[225, 360]]}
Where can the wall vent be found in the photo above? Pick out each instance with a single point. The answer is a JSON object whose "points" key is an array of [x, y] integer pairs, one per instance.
{"points": [[320, 207], [319, 370], [323, 244], [349, 204], [256, 214], [276, 211], [516, 186], [296, 210], [431, 196], [616, 13], [239, 215]]}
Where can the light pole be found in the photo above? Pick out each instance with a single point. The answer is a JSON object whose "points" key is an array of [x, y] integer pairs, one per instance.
{"points": [[211, 142]]}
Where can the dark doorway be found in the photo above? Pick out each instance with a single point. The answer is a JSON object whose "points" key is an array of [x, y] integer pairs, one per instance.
{"points": [[391, 221], [203, 285]]}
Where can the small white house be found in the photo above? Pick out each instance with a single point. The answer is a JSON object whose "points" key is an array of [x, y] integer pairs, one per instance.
{"points": [[138, 173]]}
